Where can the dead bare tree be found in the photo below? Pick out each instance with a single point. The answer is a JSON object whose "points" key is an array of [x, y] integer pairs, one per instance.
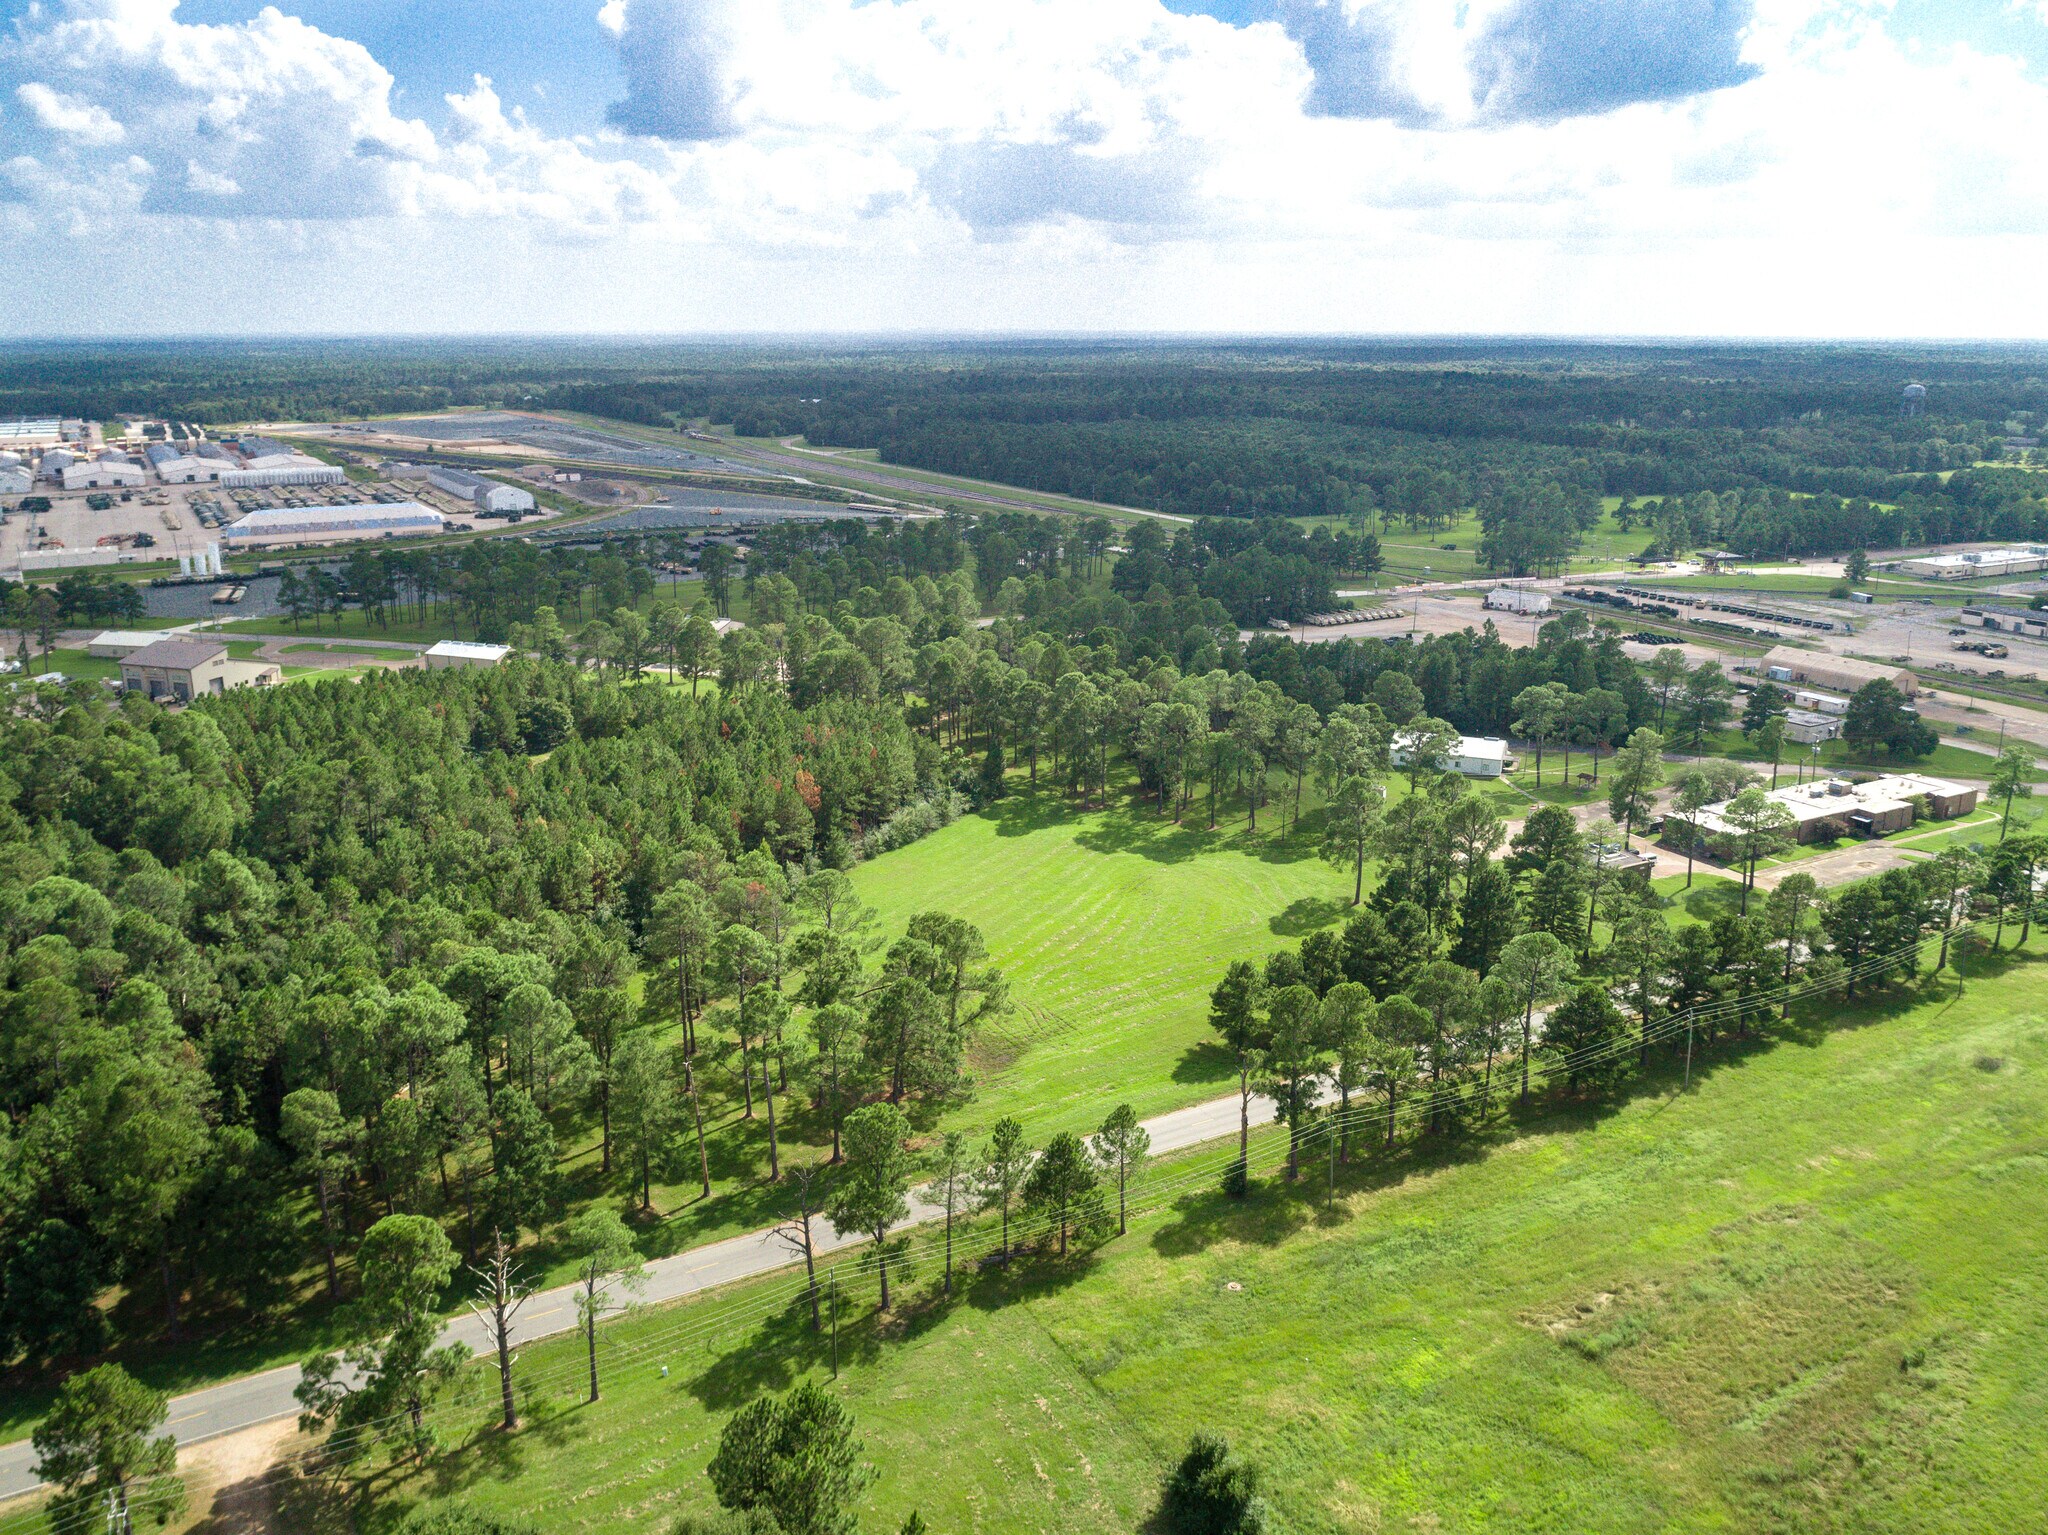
{"points": [[501, 1289], [798, 1232]]}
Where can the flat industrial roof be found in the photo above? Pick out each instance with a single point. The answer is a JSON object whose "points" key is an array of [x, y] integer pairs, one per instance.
{"points": [[295, 516], [469, 650], [1836, 796]]}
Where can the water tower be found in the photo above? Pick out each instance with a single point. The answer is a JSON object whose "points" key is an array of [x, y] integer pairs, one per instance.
{"points": [[1913, 400]]}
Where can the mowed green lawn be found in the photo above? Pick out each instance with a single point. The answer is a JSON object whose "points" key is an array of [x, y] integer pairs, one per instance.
{"points": [[1806, 1296], [1111, 928]]}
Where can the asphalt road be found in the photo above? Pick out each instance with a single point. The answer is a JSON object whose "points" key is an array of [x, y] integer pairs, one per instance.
{"points": [[264, 1398]]}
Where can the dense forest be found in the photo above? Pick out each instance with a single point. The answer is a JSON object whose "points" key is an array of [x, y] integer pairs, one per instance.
{"points": [[1802, 449], [284, 960]]}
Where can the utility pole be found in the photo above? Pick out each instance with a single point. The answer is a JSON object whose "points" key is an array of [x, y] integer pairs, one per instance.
{"points": [[835, 1321]]}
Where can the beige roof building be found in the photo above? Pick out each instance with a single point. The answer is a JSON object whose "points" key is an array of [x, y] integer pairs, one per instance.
{"points": [[1784, 663], [178, 671], [1834, 807]]}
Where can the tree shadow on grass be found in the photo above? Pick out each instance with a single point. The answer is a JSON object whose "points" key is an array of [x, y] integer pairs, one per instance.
{"points": [[1032, 1272], [1307, 914], [1021, 814], [1133, 825], [1205, 1062], [778, 1353], [1710, 898], [1150, 836], [1264, 1217], [488, 1453]]}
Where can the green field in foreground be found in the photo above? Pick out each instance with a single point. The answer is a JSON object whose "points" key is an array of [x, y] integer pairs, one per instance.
{"points": [[1111, 927], [1807, 1296]]}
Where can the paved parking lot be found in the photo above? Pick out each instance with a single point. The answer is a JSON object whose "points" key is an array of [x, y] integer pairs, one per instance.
{"points": [[160, 511]]}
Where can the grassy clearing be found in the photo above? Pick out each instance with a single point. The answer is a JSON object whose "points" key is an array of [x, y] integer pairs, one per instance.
{"points": [[1804, 1297], [353, 625], [75, 665], [1112, 926], [1452, 550]]}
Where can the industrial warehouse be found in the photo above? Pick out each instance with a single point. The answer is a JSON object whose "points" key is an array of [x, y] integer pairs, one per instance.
{"points": [[285, 527], [1835, 807], [180, 670], [489, 497], [1975, 564], [1844, 674]]}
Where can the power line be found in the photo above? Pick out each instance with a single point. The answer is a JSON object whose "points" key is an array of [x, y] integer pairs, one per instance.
{"points": [[1150, 1194]]}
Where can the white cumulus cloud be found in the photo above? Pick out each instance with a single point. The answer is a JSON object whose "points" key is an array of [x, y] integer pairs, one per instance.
{"points": [[1355, 162], [68, 117]]}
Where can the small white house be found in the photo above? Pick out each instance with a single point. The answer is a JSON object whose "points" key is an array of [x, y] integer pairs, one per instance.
{"points": [[1517, 599], [1476, 756], [1818, 702], [465, 653], [1807, 726]]}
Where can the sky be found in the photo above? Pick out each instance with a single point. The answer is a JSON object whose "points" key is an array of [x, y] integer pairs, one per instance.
{"points": [[1796, 168]]}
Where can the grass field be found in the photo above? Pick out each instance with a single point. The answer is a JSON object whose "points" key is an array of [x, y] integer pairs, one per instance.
{"points": [[1806, 1296], [1112, 927], [1451, 554], [74, 665]]}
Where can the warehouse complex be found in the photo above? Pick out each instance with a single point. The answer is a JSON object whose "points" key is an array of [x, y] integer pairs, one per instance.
{"points": [[23, 436], [489, 497], [286, 526], [109, 471], [66, 459], [266, 473]]}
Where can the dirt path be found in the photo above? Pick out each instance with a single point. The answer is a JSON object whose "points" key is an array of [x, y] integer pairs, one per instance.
{"points": [[229, 1492]]}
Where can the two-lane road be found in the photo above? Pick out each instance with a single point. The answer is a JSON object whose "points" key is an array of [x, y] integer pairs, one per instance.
{"points": [[265, 1398]]}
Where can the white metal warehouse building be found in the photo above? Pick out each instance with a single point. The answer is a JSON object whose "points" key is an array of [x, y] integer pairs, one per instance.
{"points": [[326, 524]]}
